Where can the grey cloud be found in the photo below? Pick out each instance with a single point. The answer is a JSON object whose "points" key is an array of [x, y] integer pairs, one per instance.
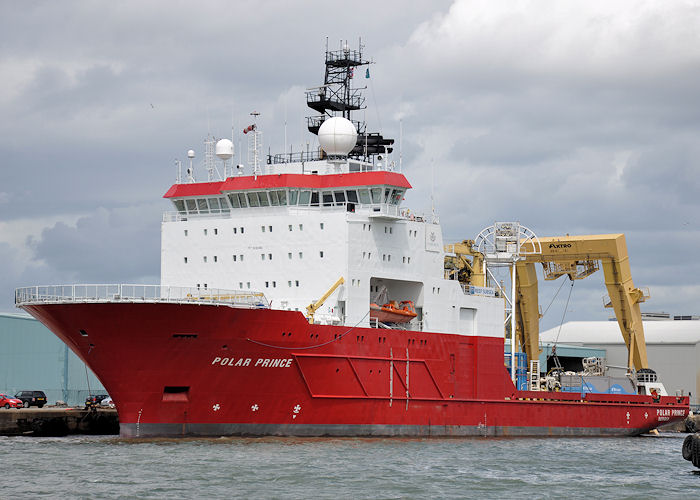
{"points": [[569, 116], [108, 246]]}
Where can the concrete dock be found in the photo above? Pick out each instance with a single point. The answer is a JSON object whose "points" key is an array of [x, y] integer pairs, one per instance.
{"points": [[57, 421]]}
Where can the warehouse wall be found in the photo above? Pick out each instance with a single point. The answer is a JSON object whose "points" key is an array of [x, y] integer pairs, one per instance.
{"points": [[675, 364], [33, 358]]}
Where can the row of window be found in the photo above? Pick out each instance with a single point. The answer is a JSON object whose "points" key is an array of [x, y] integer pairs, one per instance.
{"points": [[290, 197], [268, 228], [263, 229], [263, 256], [385, 257]]}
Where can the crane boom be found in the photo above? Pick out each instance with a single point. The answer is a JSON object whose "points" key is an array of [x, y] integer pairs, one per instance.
{"points": [[468, 271], [313, 307], [575, 256]]}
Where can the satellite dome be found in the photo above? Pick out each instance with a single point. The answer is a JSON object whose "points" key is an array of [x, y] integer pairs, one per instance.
{"points": [[224, 149], [190, 153], [337, 136]]}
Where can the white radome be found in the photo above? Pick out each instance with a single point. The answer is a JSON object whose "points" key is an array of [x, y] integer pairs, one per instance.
{"points": [[190, 153], [224, 149], [337, 136]]}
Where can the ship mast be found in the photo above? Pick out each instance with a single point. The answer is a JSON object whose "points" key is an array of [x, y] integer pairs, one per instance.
{"points": [[337, 97]]}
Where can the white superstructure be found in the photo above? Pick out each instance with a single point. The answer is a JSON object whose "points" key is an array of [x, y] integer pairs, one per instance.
{"points": [[292, 232]]}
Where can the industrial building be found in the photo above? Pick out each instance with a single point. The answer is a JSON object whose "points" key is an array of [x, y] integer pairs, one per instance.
{"points": [[673, 347], [33, 358]]}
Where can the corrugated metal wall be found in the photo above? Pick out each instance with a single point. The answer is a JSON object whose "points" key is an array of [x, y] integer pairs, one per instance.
{"points": [[33, 358]]}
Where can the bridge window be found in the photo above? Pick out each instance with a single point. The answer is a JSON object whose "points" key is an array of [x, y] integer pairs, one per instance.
{"points": [[314, 198], [305, 197], [214, 205], [282, 196], [179, 205], [191, 206], [364, 196], [274, 200], [253, 200], [202, 205], [262, 196], [376, 195], [339, 196], [294, 196], [327, 199], [233, 198], [351, 196]]}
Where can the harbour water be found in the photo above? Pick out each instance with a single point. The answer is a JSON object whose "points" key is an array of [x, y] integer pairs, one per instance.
{"points": [[109, 467]]}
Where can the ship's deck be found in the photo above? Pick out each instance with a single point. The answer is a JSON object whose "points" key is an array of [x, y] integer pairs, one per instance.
{"points": [[80, 293]]}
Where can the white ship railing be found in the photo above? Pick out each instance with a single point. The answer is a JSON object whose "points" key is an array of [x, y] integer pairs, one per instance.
{"points": [[374, 210], [66, 294]]}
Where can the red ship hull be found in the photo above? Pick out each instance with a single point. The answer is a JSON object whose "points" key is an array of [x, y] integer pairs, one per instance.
{"points": [[185, 370]]}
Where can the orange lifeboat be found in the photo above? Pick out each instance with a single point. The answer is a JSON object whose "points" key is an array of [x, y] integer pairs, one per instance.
{"points": [[391, 312]]}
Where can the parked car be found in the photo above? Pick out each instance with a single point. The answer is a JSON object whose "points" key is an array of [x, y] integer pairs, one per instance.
{"points": [[107, 402], [10, 402], [94, 400], [32, 398]]}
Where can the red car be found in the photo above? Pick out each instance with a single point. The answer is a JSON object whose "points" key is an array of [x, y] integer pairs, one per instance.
{"points": [[10, 402]]}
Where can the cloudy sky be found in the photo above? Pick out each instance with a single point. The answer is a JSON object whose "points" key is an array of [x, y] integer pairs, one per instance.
{"points": [[578, 117]]}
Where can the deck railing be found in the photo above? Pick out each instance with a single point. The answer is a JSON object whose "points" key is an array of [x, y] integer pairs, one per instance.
{"points": [[62, 294]]}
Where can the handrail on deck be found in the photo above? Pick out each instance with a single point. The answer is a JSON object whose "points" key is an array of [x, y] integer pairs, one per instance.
{"points": [[80, 293]]}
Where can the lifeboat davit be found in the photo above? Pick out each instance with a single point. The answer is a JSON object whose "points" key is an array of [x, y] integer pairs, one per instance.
{"points": [[391, 312]]}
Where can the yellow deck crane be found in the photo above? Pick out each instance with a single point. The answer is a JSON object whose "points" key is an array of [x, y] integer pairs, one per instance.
{"points": [[574, 256], [578, 257], [466, 262], [313, 307]]}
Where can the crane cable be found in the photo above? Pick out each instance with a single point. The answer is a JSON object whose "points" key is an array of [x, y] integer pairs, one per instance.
{"points": [[556, 340], [555, 296]]}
